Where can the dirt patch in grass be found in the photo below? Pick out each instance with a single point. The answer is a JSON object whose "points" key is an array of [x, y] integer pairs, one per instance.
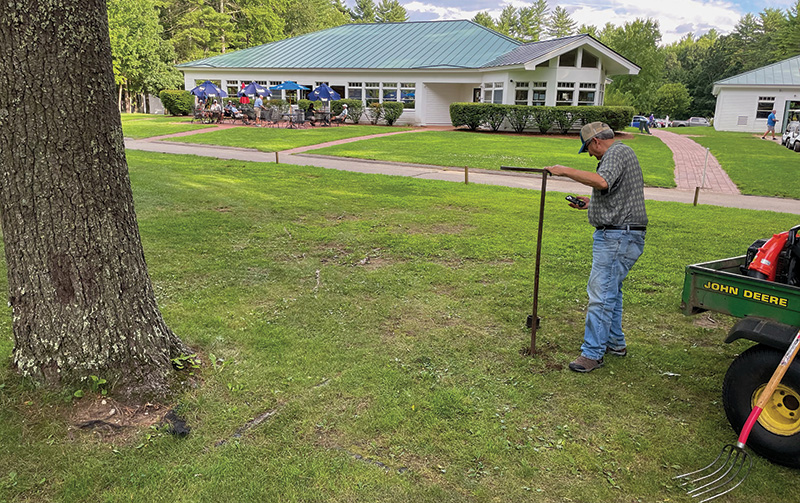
{"points": [[112, 421], [705, 320]]}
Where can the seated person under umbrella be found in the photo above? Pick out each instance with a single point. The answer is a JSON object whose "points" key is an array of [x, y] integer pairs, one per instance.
{"points": [[216, 111], [310, 113], [342, 116]]}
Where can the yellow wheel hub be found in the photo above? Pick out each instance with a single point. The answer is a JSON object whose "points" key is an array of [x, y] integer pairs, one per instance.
{"points": [[781, 415]]}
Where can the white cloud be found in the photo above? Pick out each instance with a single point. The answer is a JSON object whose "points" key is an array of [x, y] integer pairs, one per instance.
{"points": [[675, 17]]}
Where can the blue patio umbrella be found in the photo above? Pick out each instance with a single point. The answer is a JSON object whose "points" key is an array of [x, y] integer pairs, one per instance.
{"points": [[324, 93], [208, 90], [254, 88], [289, 85]]}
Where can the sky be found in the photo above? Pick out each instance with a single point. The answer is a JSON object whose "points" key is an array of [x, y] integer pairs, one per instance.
{"points": [[676, 17]]}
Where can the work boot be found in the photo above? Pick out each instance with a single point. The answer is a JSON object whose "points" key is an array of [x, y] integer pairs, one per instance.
{"points": [[617, 352], [583, 364]]}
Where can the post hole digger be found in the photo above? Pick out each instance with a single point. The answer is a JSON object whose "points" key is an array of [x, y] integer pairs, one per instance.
{"points": [[761, 389]]}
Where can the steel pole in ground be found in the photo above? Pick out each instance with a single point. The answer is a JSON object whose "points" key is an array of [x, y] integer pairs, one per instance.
{"points": [[535, 314]]}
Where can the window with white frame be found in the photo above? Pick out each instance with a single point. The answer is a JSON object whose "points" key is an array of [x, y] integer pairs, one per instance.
{"points": [[493, 92], [232, 86], [568, 58], [589, 60], [408, 94], [521, 91], [372, 92], [539, 94], [587, 93], [565, 93], [389, 91], [355, 90], [317, 84], [765, 106]]}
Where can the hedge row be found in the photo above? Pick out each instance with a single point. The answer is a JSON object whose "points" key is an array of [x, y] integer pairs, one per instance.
{"points": [[177, 102], [521, 117]]}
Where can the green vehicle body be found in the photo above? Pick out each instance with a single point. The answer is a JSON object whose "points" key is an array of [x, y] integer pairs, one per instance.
{"points": [[719, 286]]}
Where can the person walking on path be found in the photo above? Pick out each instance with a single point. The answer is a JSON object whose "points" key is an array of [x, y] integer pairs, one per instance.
{"points": [[643, 126], [617, 211], [771, 121]]}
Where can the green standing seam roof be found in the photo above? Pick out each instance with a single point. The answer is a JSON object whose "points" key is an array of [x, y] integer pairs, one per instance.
{"points": [[422, 44], [782, 73]]}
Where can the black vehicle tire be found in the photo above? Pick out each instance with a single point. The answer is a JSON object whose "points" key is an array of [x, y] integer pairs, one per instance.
{"points": [[797, 146], [776, 435]]}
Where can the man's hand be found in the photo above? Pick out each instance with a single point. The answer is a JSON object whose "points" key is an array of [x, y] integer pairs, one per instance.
{"points": [[585, 200], [558, 170]]}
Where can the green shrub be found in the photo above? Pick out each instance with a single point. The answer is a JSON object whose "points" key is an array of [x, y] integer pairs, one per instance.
{"points": [[618, 117], [518, 116], [375, 112], [563, 118], [392, 110], [471, 115], [177, 102], [495, 114], [542, 117]]}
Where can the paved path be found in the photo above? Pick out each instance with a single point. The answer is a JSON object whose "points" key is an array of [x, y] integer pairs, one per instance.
{"points": [[690, 162], [299, 156]]}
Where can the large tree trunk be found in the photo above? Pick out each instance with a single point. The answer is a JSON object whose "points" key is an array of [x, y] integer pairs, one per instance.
{"points": [[80, 294]]}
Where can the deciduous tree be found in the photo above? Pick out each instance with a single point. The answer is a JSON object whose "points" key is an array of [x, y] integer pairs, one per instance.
{"points": [[81, 300]]}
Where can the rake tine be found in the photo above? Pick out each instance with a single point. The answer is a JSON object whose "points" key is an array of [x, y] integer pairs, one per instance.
{"points": [[730, 466], [740, 461], [701, 470]]}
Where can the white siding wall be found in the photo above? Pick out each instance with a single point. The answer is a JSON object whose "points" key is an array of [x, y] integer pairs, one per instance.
{"points": [[738, 104], [438, 97]]}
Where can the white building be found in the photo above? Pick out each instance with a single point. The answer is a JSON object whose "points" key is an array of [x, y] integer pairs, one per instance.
{"points": [[427, 65], [744, 101]]}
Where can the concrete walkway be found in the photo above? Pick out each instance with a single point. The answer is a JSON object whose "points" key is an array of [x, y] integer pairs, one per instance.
{"points": [[300, 156]]}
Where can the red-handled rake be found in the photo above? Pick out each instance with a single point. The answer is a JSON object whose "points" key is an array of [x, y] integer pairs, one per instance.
{"points": [[732, 466]]}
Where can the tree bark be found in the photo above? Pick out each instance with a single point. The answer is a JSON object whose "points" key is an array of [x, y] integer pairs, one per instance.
{"points": [[81, 298]]}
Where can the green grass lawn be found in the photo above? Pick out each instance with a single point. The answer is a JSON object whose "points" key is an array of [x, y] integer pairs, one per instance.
{"points": [[756, 166], [379, 319], [492, 150], [139, 126], [277, 139]]}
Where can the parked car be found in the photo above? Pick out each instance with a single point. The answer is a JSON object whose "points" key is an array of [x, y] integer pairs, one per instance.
{"points": [[693, 121], [661, 122], [637, 119], [791, 137]]}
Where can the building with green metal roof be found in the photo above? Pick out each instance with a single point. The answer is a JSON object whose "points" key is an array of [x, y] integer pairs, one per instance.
{"points": [[744, 101], [427, 65]]}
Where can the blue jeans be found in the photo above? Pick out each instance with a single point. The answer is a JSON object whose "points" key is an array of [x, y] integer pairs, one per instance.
{"points": [[613, 254]]}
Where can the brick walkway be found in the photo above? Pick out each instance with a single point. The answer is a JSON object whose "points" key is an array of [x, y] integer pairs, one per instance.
{"points": [[690, 158]]}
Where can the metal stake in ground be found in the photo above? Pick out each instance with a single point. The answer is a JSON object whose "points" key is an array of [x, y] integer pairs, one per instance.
{"points": [[534, 319]]}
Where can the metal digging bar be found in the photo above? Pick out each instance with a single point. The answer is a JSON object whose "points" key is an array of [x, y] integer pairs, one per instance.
{"points": [[724, 474], [534, 319]]}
